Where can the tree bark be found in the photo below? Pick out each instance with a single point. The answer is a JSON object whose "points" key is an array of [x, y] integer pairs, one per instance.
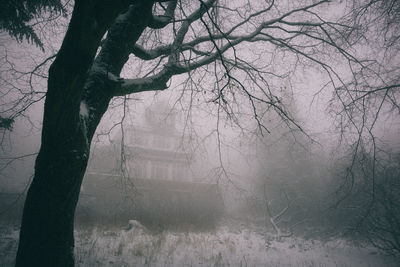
{"points": [[46, 235]]}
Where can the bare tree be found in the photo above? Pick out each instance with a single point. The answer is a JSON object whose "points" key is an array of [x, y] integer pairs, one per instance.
{"points": [[370, 210], [363, 107], [382, 224], [274, 219], [233, 55], [364, 104]]}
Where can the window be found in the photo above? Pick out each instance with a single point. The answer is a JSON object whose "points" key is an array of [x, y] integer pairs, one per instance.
{"points": [[160, 170], [160, 142], [140, 139], [177, 171], [141, 169]]}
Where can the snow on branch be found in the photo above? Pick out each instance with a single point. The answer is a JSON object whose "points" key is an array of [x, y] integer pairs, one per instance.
{"points": [[160, 21], [233, 36], [153, 83]]}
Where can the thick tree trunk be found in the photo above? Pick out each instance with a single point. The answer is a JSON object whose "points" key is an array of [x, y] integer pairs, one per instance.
{"points": [[46, 235]]}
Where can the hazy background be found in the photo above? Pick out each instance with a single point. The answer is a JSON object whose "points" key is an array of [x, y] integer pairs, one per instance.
{"points": [[279, 182]]}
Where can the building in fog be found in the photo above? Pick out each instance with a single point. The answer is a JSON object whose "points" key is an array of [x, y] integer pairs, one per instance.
{"points": [[154, 148], [156, 185]]}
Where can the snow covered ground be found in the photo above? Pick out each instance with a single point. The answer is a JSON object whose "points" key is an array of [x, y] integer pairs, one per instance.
{"points": [[226, 246]]}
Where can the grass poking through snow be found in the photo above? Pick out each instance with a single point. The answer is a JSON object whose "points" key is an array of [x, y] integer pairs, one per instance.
{"points": [[222, 247], [225, 246]]}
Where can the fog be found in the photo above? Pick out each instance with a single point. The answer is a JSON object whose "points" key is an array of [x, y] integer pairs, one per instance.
{"points": [[188, 176], [175, 185]]}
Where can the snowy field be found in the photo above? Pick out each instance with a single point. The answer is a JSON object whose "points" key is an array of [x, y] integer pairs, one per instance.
{"points": [[225, 246]]}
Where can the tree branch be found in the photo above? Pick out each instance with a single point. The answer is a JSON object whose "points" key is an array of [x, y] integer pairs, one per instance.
{"points": [[160, 21]]}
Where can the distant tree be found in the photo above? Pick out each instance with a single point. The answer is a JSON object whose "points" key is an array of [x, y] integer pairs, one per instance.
{"points": [[366, 104], [233, 56], [381, 224], [381, 15], [16, 17], [371, 209], [365, 107], [287, 170], [6, 123]]}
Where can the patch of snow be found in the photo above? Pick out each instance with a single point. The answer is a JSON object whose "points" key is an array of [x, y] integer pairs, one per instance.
{"points": [[137, 82], [84, 110], [133, 224], [99, 69], [225, 246], [113, 77], [96, 67]]}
